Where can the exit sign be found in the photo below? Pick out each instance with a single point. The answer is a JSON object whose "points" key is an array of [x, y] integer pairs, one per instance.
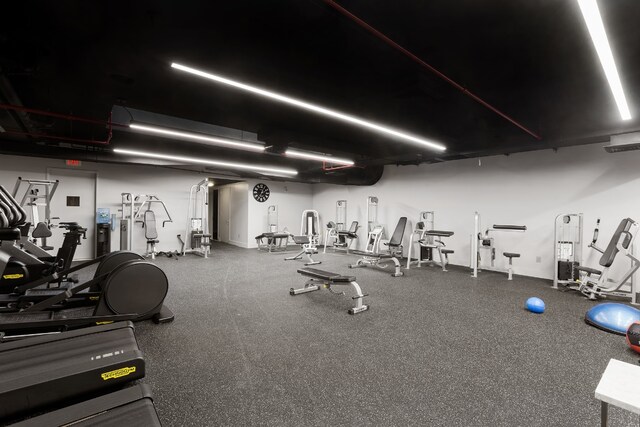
{"points": [[73, 162]]}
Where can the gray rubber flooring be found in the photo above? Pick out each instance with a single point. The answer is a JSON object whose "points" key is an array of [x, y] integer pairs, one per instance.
{"points": [[436, 349]]}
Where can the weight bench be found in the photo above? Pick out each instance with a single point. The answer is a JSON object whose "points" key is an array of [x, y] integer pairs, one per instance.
{"points": [[378, 259], [318, 278]]}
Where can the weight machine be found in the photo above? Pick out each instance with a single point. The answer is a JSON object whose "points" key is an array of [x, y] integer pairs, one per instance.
{"points": [[337, 233], [372, 213], [568, 249], [38, 193], [138, 208], [485, 242], [198, 238], [429, 240], [308, 237], [273, 240], [595, 283], [426, 221]]}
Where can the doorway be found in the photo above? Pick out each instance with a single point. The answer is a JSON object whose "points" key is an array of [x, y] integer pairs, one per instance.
{"points": [[75, 201]]}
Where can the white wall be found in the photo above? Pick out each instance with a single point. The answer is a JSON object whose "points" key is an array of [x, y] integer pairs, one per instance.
{"points": [[169, 185], [290, 197], [527, 188]]}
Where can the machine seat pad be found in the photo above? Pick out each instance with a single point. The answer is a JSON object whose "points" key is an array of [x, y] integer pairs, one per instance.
{"points": [[511, 254], [325, 275], [348, 234], [153, 241], [9, 234], [41, 231], [301, 240], [589, 270], [447, 251], [439, 233], [371, 254]]}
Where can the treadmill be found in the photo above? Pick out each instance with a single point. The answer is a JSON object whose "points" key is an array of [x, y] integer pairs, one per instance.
{"points": [[131, 407], [39, 373]]}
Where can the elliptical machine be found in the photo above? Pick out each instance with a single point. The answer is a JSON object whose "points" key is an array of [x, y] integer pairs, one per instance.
{"points": [[124, 286]]}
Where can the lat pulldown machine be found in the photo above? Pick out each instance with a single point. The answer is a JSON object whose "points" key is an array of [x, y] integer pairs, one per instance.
{"points": [[197, 230]]}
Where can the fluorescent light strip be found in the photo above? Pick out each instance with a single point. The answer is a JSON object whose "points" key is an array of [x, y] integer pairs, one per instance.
{"points": [[196, 137], [192, 160], [592, 17], [311, 107], [311, 156]]}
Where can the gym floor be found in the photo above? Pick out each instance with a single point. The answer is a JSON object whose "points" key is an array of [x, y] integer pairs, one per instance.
{"points": [[436, 348]]}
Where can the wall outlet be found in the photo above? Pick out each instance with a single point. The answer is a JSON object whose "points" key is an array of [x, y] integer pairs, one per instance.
{"points": [[538, 259]]}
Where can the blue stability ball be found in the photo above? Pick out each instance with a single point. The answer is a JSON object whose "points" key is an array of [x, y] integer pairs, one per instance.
{"points": [[535, 305], [612, 317]]}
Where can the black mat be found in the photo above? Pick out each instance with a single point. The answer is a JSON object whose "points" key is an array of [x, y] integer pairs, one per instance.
{"points": [[437, 349]]}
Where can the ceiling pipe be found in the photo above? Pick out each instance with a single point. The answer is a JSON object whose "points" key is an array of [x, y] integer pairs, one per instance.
{"points": [[109, 124], [60, 138], [427, 66]]}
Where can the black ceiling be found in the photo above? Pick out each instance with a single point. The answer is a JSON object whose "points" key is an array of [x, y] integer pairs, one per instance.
{"points": [[532, 59]]}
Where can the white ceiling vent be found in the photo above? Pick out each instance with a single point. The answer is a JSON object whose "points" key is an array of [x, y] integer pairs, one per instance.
{"points": [[623, 142]]}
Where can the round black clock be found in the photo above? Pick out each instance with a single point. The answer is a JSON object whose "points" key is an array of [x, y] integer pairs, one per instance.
{"points": [[261, 192]]}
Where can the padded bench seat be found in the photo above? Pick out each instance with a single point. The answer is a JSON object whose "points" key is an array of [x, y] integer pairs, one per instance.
{"points": [[372, 255], [511, 254], [589, 270], [325, 275], [273, 236], [439, 233], [447, 251]]}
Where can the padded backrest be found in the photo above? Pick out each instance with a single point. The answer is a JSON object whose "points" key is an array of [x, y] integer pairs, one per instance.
{"points": [[398, 233], [354, 227], [612, 249], [150, 231], [310, 224]]}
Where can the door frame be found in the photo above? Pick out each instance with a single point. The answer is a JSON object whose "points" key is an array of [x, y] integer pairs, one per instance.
{"points": [[52, 170]]}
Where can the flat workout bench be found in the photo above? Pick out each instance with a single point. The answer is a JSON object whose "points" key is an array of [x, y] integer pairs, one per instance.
{"points": [[326, 279]]}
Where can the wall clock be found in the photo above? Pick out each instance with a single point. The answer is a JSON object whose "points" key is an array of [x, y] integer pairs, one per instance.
{"points": [[261, 192]]}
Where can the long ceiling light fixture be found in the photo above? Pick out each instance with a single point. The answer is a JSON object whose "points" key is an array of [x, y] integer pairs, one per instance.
{"points": [[192, 160], [170, 133], [592, 17], [311, 107], [320, 157]]}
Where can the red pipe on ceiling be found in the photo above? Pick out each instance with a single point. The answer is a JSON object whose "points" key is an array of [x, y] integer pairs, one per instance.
{"points": [[61, 138], [427, 66], [109, 124]]}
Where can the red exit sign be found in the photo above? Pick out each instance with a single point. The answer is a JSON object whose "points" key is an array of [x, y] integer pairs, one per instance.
{"points": [[73, 162]]}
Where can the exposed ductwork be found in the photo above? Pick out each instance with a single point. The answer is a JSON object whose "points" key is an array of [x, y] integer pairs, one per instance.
{"points": [[623, 142]]}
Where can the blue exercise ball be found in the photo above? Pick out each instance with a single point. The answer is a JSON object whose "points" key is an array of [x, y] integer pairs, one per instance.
{"points": [[612, 317], [535, 305]]}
